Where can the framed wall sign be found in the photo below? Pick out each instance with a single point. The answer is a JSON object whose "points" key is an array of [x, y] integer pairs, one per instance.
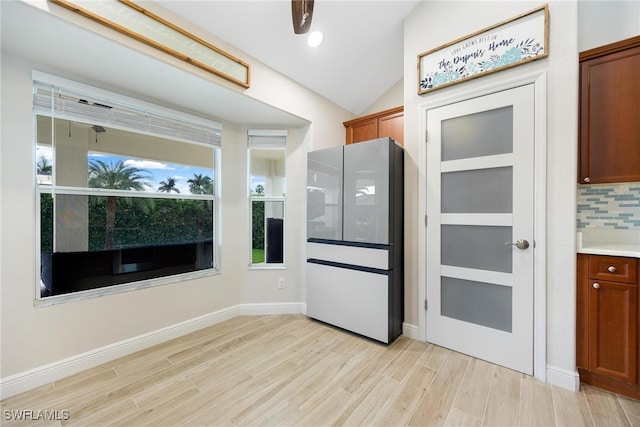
{"points": [[513, 42], [136, 22]]}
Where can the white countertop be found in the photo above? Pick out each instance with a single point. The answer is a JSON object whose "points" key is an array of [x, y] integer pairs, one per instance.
{"points": [[618, 243], [611, 249]]}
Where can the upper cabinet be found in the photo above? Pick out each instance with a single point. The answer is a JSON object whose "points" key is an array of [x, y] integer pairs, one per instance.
{"points": [[610, 113], [388, 123]]}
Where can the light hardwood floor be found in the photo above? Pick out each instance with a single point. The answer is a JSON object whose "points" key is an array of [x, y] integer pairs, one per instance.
{"points": [[292, 371]]}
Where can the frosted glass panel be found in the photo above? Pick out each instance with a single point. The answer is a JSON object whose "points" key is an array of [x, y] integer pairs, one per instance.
{"points": [[480, 303], [478, 191], [324, 194], [482, 134], [478, 247], [366, 191]]}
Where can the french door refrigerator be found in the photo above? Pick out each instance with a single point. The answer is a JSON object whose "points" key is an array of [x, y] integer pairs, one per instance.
{"points": [[355, 251]]}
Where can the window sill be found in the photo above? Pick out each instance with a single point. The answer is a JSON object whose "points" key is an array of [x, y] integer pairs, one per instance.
{"points": [[118, 289], [268, 267]]}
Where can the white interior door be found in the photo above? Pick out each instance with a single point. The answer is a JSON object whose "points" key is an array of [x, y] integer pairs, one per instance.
{"points": [[480, 209]]}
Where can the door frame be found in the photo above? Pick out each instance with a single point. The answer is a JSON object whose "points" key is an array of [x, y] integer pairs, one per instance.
{"points": [[539, 80]]}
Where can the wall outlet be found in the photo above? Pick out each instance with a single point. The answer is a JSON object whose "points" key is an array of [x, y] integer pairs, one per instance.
{"points": [[281, 283]]}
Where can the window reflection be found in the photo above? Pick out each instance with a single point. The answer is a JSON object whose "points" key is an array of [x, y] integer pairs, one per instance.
{"points": [[118, 206]]}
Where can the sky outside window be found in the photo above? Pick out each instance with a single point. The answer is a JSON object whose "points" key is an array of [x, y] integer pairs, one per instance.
{"points": [[157, 172]]}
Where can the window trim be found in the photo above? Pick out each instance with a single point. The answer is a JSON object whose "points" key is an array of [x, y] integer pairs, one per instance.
{"points": [[213, 129], [276, 140]]}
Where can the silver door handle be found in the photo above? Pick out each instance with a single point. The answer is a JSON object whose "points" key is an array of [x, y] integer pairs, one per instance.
{"points": [[520, 244]]}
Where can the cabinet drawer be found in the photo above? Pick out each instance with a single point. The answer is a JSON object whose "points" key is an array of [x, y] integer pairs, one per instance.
{"points": [[355, 300], [615, 269]]}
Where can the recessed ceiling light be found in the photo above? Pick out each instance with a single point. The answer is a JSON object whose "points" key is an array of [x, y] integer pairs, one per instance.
{"points": [[314, 39]]}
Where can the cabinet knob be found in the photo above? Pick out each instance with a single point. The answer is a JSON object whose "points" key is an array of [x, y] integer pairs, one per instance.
{"points": [[587, 179], [611, 269], [596, 286]]}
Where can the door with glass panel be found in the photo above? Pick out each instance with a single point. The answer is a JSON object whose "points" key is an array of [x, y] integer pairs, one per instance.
{"points": [[480, 249]]}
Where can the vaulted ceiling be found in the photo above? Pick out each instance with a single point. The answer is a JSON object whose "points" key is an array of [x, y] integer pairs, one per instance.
{"points": [[360, 58]]}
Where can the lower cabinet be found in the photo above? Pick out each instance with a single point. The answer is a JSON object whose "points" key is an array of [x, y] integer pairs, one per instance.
{"points": [[607, 323]]}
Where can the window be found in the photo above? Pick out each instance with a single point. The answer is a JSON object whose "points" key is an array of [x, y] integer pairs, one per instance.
{"points": [[127, 191], [267, 189]]}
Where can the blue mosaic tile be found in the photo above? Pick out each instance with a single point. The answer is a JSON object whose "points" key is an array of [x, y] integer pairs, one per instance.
{"points": [[615, 206]]}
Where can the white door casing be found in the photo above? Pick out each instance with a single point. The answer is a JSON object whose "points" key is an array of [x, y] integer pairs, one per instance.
{"points": [[507, 338]]}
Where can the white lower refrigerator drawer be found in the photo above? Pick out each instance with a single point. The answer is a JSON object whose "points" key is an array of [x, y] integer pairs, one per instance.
{"points": [[351, 299]]}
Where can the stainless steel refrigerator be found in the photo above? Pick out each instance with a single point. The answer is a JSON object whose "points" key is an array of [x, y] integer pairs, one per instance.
{"points": [[355, 248]]}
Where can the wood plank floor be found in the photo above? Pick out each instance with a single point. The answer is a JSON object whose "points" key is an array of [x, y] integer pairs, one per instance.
{"points": [[292, 371]]}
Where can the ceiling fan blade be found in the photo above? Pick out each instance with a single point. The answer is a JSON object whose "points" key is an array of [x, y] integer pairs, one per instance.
{"points": [[301, 13]]}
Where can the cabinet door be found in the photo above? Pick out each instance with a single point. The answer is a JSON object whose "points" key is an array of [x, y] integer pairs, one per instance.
{"points": [[362, 131], [610, 118], [392, 126], [612, 330]]}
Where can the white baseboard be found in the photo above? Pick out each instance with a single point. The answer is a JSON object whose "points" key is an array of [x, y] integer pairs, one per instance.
{"points": [[563, 378], [24, 381], [411, 331], [270, 308]]}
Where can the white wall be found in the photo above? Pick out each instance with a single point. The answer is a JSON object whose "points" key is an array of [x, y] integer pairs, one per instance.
{"points": [[603, 22], [392, 98], [433, 24], [33, 337]]}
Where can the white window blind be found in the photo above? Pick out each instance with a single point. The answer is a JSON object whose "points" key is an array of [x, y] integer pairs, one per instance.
{"points": [[56, 101], [267, 138]]}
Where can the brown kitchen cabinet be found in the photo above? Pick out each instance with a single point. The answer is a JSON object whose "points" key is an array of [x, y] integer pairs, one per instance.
{"points": [[607, 323], [609, 143], [388, 123]]}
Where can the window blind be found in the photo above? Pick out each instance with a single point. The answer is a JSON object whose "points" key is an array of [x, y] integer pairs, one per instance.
{"points": [[266, 138], [55, 101]]}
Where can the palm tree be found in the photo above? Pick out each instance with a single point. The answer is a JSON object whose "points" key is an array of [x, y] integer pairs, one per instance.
{"points": [[200, 184], [168, 186], [115, 176], [43, 166]]}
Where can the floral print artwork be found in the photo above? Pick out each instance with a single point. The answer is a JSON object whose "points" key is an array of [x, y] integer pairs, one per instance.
{"points": [[451, 71]]}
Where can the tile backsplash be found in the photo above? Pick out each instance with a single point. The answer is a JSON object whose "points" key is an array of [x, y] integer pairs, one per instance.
{"points": [[613, 206]]}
